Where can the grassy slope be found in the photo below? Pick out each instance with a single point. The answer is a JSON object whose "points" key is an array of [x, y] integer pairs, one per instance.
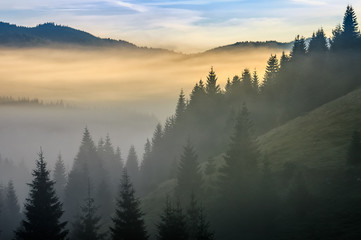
{"points": [[318, 139]]}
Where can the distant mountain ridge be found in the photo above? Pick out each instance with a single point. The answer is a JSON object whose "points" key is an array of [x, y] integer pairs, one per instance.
{"points": [[50, 34]]}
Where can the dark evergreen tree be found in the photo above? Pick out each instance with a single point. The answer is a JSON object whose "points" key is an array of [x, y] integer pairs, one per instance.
{"points": [[189, 178], [42, 209], [318, 43], [228, 87], [146, 169], [255, 82], [284, 61], [212, 87], [132, 166], [299, 48], [247, 82], [11, 212], [128, 222], [87, 165], [354, 150], [270, 73], [87, 225], [59, 177], [203, 229], [172, 223], [181, 107]]}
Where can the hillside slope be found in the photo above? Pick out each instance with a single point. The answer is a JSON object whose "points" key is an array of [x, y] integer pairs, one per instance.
{"points": [[318, 139]]}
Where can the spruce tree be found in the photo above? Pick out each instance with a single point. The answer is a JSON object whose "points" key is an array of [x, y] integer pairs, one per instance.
{"points": [[189, 178], [350, 25], [59, 177], [255, 82], [354, 150], [212, 87], [271, 72], [172, 223], [242, 154], [203, 229], [132, 166], [247, 82], [181, 107], [42, 209], [11, 211], [318, 43], [128, 223], [299, 48], [87, 225]]}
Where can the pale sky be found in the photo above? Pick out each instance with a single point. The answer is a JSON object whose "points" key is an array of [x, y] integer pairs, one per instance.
{"points": [[184, 25]]}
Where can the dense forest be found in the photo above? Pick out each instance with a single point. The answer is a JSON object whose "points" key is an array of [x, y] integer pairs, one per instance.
{"points": [[203, 174]]}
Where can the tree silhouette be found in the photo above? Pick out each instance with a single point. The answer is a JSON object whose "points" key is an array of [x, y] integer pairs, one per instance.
{"points": [[11, 212], [189, 178], [181, 107], [87, 226], [212, 87], [318, 43], [128, 223], [42, 209], [59, 177], [299, 48], [172, 223], [132, 166]]}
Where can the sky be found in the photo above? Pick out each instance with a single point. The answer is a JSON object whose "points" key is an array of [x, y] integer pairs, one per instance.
{"points": [[183, 25]]}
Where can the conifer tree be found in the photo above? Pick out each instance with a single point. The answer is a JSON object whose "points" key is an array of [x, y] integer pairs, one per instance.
{"points": [[128, 223], [255, 82], [271, 72], [212, 87], [42, 209], [350, 25], [146, 169], [181, 107], [11, 211], [87, 164], [228, 86], [242, 154], [189, 178], [318, 43], [172, 223], [299, 48], [197, 95], [132, 166], [247, 82], [59, 177], [354, 150], [203, 229], [87, 225]]}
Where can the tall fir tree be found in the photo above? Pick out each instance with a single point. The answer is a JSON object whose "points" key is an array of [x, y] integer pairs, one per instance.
{"points": [[43, 210], [318, 43], [181, 107], [212, 87], [354, 150], [270, 73], [255, 82], [128, 223], [60, 177], [247, 82], [172, 224], [189, 178], [132, 166], [12, 211], [242, 154], [299, 48], [87, 225]]}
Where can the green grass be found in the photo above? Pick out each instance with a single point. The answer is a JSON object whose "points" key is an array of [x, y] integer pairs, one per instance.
{"points": [[318, 139]]}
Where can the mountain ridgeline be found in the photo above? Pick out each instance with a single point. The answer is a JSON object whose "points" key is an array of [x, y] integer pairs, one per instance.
{"points": [[228, 163], [48, 34]]}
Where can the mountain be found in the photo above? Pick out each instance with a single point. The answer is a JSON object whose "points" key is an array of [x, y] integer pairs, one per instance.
{"points": [[240, 46], [318, 139], [50, 34]]}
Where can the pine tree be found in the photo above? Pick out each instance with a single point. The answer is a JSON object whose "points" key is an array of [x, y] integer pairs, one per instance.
{"points": [[284, 61], [146, 169], [212, 88], [203, 229], [11, 211], [172, 223], [271, 72], [87, 226], [189, 178], [350, 25], [242, 154], [132, 166], [299, 48], [318, 43], [87, 164], [42, 209], [247, 82], [128, 223], [59, 177], [181, 107], [354, 150], [255, 82]]}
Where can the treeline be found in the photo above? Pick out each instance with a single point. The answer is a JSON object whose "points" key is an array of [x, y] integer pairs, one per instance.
{"points": [[10, 101]]}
